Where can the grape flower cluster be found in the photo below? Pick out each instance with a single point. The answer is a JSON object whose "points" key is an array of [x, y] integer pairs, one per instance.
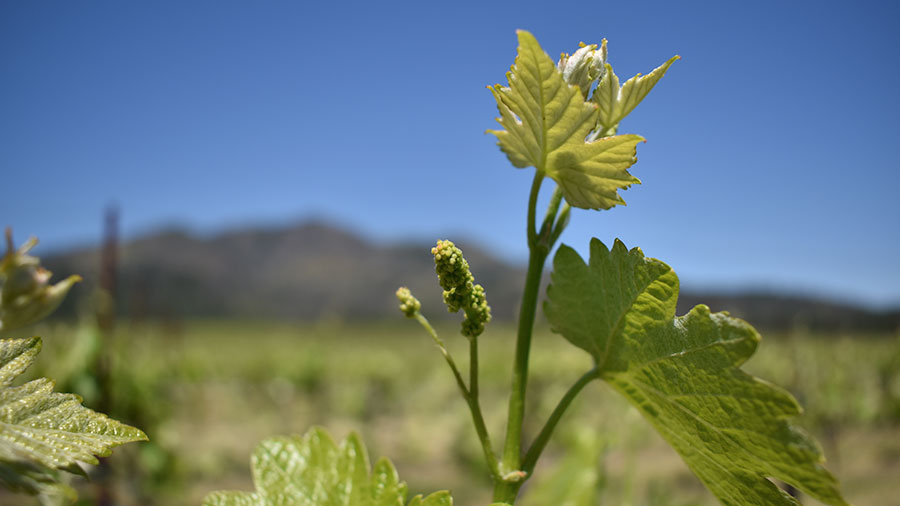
{"points": [[460, 290]]}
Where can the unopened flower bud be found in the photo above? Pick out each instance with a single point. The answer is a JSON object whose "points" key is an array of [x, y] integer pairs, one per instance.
{"points": [[478, 313], [452, 269], [25, 293], [584, 67], [409, 305]]}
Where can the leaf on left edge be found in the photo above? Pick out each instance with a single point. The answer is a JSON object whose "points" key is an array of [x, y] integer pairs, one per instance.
{"points": [[545, 123], [311, 470], [43, 430]]}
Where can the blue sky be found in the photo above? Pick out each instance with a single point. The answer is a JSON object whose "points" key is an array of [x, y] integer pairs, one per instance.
{"points": [[772, 156]]}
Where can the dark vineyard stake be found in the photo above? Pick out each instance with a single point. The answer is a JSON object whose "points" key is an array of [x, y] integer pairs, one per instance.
{"points": [[106, 321]]}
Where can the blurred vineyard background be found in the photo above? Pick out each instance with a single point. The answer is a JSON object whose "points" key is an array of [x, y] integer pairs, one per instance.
{"points": [[206, 386], [207, 391], [214, 115]]}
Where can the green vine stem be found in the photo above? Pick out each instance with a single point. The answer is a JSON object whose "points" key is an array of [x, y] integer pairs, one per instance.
{"points": [[539, 244], [512, 448], [469, 394]]}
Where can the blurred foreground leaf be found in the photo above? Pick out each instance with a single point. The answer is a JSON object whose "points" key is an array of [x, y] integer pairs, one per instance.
{"points": [[42, 431], [312, 470], [732, 429]]}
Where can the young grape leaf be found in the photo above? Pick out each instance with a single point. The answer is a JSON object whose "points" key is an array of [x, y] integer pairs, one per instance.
{"points": [[545, 123], [41, 430], [683, 373], [26, 295], [615, 103], [311, 470]]}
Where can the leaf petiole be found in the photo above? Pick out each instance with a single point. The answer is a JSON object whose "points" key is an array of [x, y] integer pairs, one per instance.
{"points": [[550, 217], [540, 442], [561, 222]]}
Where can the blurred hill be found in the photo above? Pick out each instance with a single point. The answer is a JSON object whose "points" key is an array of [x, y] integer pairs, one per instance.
{"points": [[316, 271], [307, 272]]}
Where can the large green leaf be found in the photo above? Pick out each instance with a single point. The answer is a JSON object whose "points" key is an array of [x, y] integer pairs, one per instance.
{"points": [[683, 374], [312, 470], [546, 122], [41, 430]]}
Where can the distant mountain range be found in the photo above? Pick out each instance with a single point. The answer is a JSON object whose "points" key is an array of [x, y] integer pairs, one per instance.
{"points": [[315, 271]]}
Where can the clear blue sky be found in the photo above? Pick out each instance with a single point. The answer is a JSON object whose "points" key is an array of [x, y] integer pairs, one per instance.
{"points": [[773, 153]]}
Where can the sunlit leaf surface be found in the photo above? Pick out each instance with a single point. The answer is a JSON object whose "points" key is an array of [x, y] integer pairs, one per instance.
{"points": [[617, 102], [42, 431], [683, 373]]}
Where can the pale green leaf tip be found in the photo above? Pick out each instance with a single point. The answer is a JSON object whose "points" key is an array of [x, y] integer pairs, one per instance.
{"points": [[527, 39], [354, 442], [665, 66], [440, 498], [320, 434], [520, 33]]}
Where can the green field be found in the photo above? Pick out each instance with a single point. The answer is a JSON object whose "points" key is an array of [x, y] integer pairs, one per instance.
{"points": [[207, 391]]}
